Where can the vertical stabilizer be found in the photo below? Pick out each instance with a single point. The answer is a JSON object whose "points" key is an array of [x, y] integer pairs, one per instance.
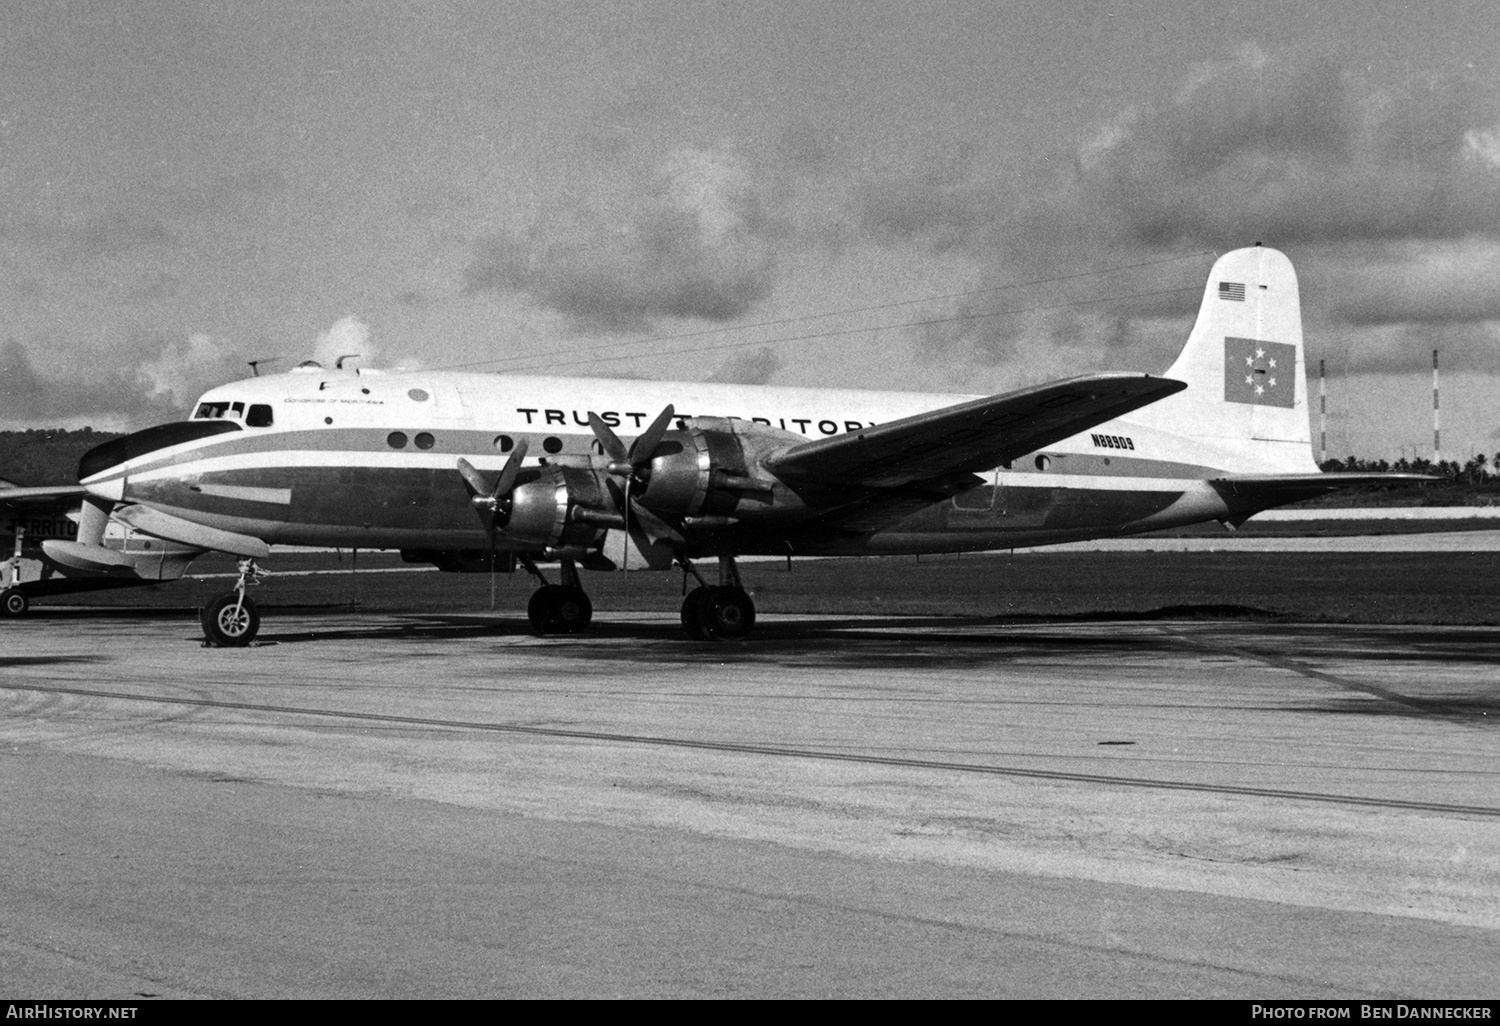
{"points": [[1243, 364]]}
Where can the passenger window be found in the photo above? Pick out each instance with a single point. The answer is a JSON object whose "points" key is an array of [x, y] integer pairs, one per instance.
{"points": [[425, 441], [260, 415], [396, 440]]}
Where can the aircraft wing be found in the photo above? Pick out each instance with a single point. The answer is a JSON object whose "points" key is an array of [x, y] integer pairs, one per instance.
{"points": [[971, 436], [58, 496]]}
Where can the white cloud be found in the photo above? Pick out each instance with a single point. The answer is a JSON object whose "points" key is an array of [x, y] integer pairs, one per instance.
{"points": [[183, 370], [1484, 145], [349, 336], [687, 233]]}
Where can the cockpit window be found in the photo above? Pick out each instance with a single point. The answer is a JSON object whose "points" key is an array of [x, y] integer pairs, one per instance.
{"points": [[215, 411], [227, 409]]}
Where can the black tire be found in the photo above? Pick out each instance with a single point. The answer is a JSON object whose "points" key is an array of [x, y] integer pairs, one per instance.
{"points": [[571, 609], [539, 610], [230, 622], [13, 602], [729, 614], [560, 609], [695, 612]]}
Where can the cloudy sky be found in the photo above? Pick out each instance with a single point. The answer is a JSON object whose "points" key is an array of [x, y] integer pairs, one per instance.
{"points": [[952, 196]]}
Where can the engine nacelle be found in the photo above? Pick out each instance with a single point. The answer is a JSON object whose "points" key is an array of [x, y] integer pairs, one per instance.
{"points": [[554, 506], [713, 471], [706, 476], [681, 479]]}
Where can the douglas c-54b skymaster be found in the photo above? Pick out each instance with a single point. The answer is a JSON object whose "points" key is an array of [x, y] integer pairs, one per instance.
{"points": [[468, 471]]}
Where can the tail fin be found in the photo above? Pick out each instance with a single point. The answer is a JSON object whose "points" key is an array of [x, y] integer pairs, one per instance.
{"points": [[1243, 364]]}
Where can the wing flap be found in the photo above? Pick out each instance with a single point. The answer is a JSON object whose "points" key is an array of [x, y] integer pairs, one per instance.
{"points": [[971, 436]]}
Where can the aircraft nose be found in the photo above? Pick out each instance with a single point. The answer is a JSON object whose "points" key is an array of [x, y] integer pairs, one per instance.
{"points": [[103, 469]]}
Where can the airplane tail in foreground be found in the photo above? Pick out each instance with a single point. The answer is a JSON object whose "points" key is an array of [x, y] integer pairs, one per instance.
{"points": [[1243, 364], [1245, 409]]}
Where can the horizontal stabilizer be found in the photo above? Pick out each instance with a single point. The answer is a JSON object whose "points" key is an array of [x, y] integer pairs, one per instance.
{"points": [[971, 436], [1266, 490], [164, 525]]}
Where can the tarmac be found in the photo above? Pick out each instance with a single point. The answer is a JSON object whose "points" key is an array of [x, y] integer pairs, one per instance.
{"points": [[1436, 541], [446, 806]]}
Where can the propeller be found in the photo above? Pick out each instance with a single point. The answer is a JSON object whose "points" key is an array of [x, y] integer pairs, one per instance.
{"points": [[496, 500], [634, 465]]}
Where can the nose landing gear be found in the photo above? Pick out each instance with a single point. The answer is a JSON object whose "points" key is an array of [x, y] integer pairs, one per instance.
{"points": [[233, 620], [13, 602]]}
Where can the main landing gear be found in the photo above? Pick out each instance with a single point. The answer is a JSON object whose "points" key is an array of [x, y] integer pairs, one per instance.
{"points": [[232, 620], [722, 612], [558, 608]]}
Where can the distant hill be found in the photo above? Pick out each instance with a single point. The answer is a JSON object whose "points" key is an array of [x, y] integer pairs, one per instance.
{"points": [[46, 456]]}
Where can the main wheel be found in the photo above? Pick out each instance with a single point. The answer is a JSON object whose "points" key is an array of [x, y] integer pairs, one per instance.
{"points": [[13, 602], [728, 614], [230, 621], [560, 609], [539, 610], [571, 609], [695, 612]]}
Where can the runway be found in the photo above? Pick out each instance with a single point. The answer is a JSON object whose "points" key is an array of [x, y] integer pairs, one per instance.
{"points": [[443, 805]]}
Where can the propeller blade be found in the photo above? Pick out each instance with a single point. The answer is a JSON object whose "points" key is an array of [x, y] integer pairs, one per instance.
{"points": [[608, 440], [637, 516], [645, 445], [655, 527], [473, 478], [493, 499], [511, 469], [621, 497]]}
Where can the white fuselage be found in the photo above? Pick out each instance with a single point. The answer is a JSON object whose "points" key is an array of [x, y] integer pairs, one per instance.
{"points": [[368, 459]]}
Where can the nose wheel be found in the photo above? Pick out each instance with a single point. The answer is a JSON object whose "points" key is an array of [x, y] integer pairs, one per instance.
{"points": [[13, 602], [230, 621], [233, 620]]}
